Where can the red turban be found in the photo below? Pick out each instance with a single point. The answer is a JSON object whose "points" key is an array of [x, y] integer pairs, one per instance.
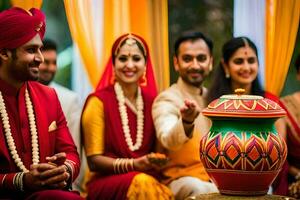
{"points": [[18, 26]]}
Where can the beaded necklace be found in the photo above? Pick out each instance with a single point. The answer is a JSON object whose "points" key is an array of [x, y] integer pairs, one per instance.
{"points": [[10, 140], [124, 117]]}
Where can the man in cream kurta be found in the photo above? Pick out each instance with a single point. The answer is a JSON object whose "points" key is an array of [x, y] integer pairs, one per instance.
{"points": [[179, 126]]}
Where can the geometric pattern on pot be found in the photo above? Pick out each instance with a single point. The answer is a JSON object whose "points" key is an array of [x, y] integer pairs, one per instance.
{"points": [[243, 108], [246, 151]]}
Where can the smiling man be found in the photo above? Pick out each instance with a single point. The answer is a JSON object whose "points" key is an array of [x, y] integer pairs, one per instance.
{"points": [[38, 158], [179, 126]]}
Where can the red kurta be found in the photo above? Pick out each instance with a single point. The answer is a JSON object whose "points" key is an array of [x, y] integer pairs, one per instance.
{"points": [[47, 109], [116, 186]]}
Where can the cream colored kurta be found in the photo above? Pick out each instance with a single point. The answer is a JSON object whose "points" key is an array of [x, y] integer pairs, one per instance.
{"points": [[183, 151]]}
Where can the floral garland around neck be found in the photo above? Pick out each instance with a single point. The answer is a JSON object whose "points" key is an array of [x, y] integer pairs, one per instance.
{"points": [[124, 117], [10, 139]]}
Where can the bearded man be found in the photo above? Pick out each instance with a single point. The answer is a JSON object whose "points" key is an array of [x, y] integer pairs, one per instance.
{"points": [[38, 158], [178, 124]]}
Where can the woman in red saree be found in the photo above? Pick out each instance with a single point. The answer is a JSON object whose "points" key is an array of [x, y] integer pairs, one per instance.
{"points": [[117, 126], [291, 104], [239, 69]]}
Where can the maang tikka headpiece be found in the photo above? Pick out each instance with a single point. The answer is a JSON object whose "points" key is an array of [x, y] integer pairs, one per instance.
{"points": [[130, 40]]}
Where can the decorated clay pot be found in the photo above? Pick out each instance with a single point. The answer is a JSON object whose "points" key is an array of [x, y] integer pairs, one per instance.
{"points": [[243, 152]]}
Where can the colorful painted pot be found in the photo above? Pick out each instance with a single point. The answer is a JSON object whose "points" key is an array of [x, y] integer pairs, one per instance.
{"points": [[242, 152]]}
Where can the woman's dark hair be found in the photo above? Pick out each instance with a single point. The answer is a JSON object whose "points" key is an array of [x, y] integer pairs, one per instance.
{"points": [[222, 85]]}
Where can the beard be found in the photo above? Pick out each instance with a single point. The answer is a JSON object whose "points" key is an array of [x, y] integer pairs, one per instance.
{"points": [[46, 77], [24, 71], [44, 82], [194, 81]]}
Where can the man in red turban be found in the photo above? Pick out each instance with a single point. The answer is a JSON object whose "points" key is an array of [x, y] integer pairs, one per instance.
{"points": [[38, 158]]}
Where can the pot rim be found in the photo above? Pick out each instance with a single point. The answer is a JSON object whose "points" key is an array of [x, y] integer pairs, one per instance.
{"points": [[244, 106]]}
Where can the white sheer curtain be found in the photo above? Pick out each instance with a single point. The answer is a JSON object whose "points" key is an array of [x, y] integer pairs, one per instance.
{"points": [[249, 20]]}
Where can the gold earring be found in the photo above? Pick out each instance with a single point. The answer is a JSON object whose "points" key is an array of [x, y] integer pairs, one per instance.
{"points": [[143, 80], [227, 75]]}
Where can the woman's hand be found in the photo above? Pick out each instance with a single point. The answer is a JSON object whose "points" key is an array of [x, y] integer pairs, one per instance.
{"points": [[142, 164], [158, 159], [149, 162], [294, 189]]}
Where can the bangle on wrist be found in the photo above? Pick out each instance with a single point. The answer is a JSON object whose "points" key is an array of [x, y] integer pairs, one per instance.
{"points": [[18, 181], [187, 122], [123, 165]]}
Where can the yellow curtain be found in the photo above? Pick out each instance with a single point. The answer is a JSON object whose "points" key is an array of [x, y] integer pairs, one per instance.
{"points": [[116, 22], [27, 4], [282, 20], [81, 26], [159, 41], [147, 18]]}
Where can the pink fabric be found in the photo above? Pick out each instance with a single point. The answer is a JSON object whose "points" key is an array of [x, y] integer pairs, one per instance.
{"points": [[107, 77], [18, 26]]}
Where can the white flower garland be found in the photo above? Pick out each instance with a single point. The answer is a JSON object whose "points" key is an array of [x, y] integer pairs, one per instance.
{"points": [[10, 139], [124, 117]]}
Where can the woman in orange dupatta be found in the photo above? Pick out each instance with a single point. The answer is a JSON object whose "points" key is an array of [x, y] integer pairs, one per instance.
{"points": [[291, 104], [118, 131]]}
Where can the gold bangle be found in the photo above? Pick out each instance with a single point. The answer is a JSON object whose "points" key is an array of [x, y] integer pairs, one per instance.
{"points": [[18, 181], [116, 166], [131, 164], [126, 165], [3, 179], [121, 166]]}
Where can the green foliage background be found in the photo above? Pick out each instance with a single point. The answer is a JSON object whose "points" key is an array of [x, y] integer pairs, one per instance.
{"points": [[213, 18]]}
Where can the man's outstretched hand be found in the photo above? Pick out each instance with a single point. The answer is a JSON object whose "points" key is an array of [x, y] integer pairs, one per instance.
{"points": [[190, 111]]}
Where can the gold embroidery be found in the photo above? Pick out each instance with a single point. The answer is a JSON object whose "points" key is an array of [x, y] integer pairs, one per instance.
{"points": [[52, 126], [39, 26]]}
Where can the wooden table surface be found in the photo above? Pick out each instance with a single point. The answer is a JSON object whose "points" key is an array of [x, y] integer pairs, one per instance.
{"points": [[217, 196]]}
